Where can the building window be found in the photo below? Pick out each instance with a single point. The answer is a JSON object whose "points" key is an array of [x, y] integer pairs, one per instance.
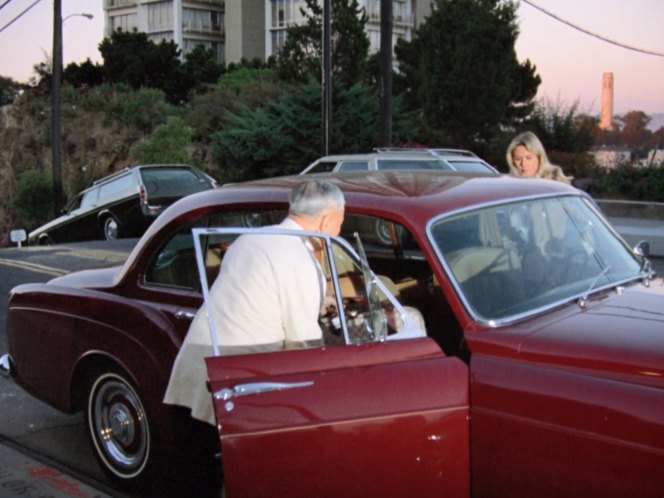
{"points": [[199, 20], [160, 16], [125, 22]]}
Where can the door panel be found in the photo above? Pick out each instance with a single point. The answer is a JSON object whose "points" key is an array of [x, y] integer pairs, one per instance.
{"points": [[379, 419], [572, 433]]}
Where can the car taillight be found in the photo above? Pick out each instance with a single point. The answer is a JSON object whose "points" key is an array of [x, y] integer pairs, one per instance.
{"points": [[143, 194]]}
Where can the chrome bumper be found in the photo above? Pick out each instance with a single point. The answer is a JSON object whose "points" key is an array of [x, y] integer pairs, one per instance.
{"points": [[7, 368]]}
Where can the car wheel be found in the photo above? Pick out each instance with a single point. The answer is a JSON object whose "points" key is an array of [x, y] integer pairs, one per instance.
{"points": [[44, 240], [111, 228], [119, 429]]}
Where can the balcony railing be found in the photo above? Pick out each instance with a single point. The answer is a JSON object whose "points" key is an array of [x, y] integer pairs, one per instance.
{"points": [[215, 3], [114, 4], [398, 19], [201, 29]]}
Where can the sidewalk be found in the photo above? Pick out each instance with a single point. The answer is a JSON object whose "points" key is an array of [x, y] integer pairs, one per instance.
{"points": [[24, 477]]}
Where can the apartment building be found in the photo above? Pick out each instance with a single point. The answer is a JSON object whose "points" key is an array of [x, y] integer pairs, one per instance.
{"points": [[236, 29]]}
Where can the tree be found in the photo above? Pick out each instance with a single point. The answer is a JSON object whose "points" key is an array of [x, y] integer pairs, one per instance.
{"points": [[461, 70], [201, 68], [9, 90], [283, 136], [242, 87], [85, 74], [657, 139], [634, 131], [562, 130], [167, 144], [300, 57], [131, 58]]}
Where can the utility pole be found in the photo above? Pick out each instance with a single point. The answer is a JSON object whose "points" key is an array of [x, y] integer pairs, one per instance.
{"points": [[56, 134], [327, 75], [385, 135]]}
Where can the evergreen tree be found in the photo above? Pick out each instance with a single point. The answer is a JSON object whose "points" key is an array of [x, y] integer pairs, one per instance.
{"points": [[284, 136], [461, 70], [201, 68], [131, 58], [84, 74], [300, 57]]}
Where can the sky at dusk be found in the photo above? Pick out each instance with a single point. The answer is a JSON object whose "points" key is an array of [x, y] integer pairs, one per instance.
{"points": [[570, 63]]}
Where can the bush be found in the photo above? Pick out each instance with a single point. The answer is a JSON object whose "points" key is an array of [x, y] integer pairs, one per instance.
{"points": [[143, 109], [167, 144], [635, 183], [34, 198]]}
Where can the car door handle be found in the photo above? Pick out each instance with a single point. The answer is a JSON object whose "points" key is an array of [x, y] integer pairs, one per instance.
{"points": [[184, 315], [226, 394]]}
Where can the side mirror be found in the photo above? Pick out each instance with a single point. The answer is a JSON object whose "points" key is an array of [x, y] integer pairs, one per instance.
{"points": [[18, 236], [642, 249]]}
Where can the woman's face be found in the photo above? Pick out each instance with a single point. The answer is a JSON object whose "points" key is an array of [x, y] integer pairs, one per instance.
{"points": [[525, 161]]}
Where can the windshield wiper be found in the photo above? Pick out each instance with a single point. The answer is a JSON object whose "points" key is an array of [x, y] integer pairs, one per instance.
{"points": [[582, 299]]}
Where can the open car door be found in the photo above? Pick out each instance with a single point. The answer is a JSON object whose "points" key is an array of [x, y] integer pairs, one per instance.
{"points": [[379, 411]]}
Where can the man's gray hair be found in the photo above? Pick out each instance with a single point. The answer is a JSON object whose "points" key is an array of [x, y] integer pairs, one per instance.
{"points": [[312, 197]]}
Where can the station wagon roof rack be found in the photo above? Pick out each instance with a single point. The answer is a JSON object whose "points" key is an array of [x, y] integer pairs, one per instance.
{"points": [[111, 176], [437, 151]]}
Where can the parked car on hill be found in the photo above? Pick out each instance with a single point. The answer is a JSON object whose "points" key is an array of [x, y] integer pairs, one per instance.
{"points": [[396, 158], [122, 204], [538, 368]]}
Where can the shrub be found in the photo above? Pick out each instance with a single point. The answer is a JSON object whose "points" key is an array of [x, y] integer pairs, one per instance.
{"points": [[34, 198], [143, 109], [167, 144], [636, 183]]}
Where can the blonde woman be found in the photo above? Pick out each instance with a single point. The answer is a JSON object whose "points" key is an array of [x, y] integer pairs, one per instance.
{"points": [[526, 157]]}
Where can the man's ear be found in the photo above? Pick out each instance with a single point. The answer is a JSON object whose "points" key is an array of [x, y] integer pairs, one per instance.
{"points": [[322, 220]]}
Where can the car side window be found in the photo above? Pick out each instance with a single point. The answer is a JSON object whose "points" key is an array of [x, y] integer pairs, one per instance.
{"points": [[174, 264], [354, 166], [323, 167], [75, 203], [89, 199], [117, 188], [357, 306]]}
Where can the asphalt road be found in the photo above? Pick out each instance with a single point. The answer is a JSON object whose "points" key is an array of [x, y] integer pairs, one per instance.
{"points": [[28, 426]]}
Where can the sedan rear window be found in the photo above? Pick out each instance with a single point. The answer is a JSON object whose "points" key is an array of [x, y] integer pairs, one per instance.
{"points": [[173, 181]]}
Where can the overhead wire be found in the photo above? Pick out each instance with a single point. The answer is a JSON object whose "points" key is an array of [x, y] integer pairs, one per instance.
{"points": [[18, 16], [590, 33], [5, 3]]}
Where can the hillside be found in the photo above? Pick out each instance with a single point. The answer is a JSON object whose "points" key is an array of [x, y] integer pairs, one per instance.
{"points": [[92, 146]]}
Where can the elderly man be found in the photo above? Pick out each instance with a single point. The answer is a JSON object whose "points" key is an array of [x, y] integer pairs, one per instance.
{"points": [[268, 296]]}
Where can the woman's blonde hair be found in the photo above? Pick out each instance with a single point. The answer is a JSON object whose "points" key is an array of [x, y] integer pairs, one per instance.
{"points": [[546, 170]]}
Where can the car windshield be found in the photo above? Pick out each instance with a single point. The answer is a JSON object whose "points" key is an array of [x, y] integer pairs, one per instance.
{"points": [[512, 260]]}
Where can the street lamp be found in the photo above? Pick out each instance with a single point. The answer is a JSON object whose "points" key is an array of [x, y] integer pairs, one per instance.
{"points": [[82, 14], [56, 133]]}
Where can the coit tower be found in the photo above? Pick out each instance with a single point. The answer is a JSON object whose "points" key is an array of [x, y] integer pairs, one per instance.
{"points": [[606, 114]]}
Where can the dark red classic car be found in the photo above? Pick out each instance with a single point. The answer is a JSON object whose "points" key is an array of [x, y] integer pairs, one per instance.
{"points": [[508, 343]]}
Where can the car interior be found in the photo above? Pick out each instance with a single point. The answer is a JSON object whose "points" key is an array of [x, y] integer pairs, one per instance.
{"points": [[392, 253]]}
